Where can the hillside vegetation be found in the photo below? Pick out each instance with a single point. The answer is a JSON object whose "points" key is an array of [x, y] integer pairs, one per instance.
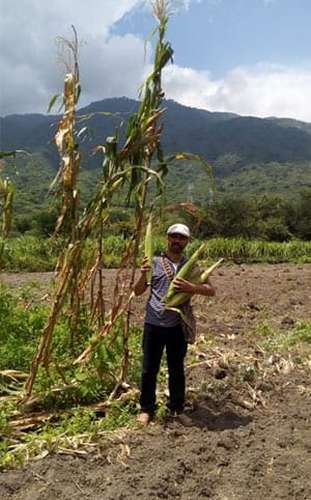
{"points": [[199, 131], [249, 156]]}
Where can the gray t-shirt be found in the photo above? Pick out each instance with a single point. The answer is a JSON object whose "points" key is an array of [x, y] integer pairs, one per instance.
{"points": [[155, 314]]}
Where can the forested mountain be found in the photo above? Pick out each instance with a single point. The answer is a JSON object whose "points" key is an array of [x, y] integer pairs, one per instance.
{"points": [[185, 129], [249, 156]]}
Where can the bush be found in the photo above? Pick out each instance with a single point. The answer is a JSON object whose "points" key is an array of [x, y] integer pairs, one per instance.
{"points": [[19, 330]]}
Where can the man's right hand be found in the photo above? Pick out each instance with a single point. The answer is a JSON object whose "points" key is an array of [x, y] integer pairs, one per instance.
{"points": [[141, 285], [145, 265]]}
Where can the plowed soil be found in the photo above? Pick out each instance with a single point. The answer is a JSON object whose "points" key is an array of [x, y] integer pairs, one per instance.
{"points": [[234, 450]]}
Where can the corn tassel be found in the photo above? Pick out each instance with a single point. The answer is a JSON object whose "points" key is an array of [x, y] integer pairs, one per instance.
{"points": [[149, 249], [180, 297]]}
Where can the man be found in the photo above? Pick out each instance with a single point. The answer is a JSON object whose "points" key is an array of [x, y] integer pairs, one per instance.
{"points": [[163, 328]]}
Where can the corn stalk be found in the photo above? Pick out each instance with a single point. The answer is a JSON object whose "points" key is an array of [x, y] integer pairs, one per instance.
{"points": [[6, 196], [68, 173], [66, 180], [130, 166], [145, 125], [6, 199]]}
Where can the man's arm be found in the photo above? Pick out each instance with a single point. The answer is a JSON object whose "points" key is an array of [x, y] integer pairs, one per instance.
{"points": [[141, 284], [206, 289]]}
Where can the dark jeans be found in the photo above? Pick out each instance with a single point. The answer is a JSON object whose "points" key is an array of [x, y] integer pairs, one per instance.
{"points": [[154, 341]]}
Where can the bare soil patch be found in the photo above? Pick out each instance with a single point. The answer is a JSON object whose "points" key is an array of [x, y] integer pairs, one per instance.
{"points": [[246, 295], [231, 451]]}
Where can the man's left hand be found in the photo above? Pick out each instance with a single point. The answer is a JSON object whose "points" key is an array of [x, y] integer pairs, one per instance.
{"points": [[182, 285]]}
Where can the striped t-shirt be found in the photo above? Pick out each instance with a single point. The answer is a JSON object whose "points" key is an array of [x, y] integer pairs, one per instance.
{"points": [[155, 314]]}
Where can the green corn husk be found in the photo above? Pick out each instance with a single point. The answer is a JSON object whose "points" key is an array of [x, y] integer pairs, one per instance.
{"points": [[194, 274], [186, 269], [197, 278], [208, 272], [149, 249]]}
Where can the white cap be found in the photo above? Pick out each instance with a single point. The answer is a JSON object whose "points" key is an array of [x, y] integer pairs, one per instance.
{"points": [[179, 229]]}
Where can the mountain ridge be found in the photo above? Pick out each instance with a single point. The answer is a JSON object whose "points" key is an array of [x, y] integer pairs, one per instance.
{"points": [[210, 134]]}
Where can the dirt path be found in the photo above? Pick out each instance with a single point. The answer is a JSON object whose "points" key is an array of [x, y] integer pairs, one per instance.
{"points": [[231, 452]]}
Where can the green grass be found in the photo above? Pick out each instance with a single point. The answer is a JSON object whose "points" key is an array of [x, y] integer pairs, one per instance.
{"points": [[30, 253], [21, 325], [293, 343], [19, 330], [74, 421], [243, 250], [285, 340]]}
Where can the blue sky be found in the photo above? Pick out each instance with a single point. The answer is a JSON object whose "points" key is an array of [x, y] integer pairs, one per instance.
{"points": [[251, 57], [217, 35]]}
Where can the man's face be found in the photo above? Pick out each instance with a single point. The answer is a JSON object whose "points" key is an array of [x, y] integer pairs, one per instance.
{"points": [[177, 242]]}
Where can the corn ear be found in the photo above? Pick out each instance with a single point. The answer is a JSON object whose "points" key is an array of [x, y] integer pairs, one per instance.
{"points": [[180, 297], [194, 274], [186, 269], [205, 274], [149, 249], [177, 299]]}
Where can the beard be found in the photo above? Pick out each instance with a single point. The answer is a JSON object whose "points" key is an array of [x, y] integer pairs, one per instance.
{"points": [[176, 248]]}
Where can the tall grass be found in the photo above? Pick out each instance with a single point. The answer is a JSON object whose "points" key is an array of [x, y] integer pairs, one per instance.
{"points": [[243, 250], [32, 254], [259, 251]]}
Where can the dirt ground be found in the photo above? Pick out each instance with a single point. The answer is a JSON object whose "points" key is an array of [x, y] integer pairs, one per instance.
{"points": [[233, 451]]}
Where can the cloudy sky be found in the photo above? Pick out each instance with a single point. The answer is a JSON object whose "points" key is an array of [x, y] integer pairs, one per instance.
{"points": [[251, 57]]}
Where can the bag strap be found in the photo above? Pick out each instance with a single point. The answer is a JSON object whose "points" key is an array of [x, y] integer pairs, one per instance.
{"points": [[167, 268]]}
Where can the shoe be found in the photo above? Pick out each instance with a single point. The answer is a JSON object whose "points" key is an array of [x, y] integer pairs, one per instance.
{"points": [[144, 418], [183, 419]]}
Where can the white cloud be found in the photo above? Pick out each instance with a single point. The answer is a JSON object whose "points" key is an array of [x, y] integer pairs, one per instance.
{"points": [[30, 74], [177, 4], [117, 68], [261, 90], [29, 67], [114, 65]]}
